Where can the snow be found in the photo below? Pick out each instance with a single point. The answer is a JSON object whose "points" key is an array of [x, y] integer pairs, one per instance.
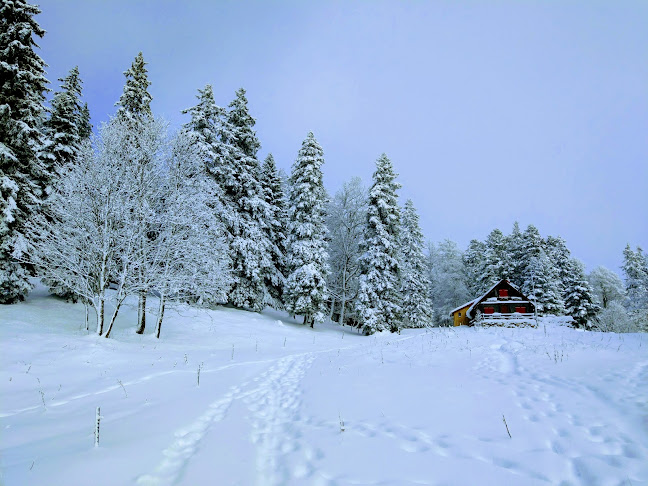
{"points": [[461, 306], [280, 403]]}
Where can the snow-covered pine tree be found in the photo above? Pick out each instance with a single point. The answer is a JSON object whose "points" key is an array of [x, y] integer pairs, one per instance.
{"points": [[250, 246], [211, 133], [532, 244], [134, 113], [307, 260], [346, 218], [135, 101], [275, 227], [65, 130], [532, 247], [208, 126], [635, 269], [379, 300], [497, 264], [578, 295], [516, 256], [474, 263], [64, 127], [417, 308], [23, 177], [85, 127], [432, 261], [560, 256], [541, 284], [607, 286]]}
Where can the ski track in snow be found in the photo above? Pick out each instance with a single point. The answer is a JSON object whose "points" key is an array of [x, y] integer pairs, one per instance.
{"points": [[273, 399]]}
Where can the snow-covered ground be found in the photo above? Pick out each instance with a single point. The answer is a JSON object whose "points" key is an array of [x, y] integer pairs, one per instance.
{"points": [[279, 403]]}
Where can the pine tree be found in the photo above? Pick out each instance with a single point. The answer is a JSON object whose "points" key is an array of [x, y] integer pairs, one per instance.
{"points": [[560, 256], [474, 263], [532, 243], [307, 266], [541, 284], [534, 249], [208, 125], [635, 269], [67, 128], [23, 175], [379, 299], [85, 127], [213, 134], [497, 264], [250, 246], [516, 255], [578, 295], [275, 229], [417, 309], [64, 127], [135, 101]]}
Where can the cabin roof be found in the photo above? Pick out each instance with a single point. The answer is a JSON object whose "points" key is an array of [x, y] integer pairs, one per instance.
{"points": [[480, 299], [461, 306]]}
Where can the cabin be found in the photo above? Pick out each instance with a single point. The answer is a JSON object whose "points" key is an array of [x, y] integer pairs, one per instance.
{"points": [[459, 315], [503, 303]]}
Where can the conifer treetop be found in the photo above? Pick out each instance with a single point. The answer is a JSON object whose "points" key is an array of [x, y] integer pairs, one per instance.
{"points": [[68, 123], [136, 100], [239, 117]]}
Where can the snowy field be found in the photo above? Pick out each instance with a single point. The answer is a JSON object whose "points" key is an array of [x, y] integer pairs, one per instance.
{"points": [[279, 403]]}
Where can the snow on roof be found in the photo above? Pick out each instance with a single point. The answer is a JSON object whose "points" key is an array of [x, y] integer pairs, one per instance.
{"points": [[479, 299], [461, 307], [493, 300]]}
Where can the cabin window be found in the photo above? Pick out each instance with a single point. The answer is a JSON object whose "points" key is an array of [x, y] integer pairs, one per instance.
{"points": [[460, 314], [504, 309], [489, 310], [503, 292], [521, 310]]}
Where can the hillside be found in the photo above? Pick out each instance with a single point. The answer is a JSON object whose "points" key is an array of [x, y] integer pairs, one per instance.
{"points": [[280, 403]]}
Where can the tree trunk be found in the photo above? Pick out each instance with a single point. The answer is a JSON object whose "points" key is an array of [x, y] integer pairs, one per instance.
{"points": [[342, 312], [100, 315], [85, 305], [112, 319], [158, 326], [332, 309], [305, 317], [141, 313]]}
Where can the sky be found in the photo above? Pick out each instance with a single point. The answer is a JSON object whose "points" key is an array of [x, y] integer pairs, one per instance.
{"points": [[491, 112]]}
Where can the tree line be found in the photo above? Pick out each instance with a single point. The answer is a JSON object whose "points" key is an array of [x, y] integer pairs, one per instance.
{"points": [[546, 272], [196, 217]]}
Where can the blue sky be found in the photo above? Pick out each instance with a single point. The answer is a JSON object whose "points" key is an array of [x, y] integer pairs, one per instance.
{"points": [[490, 111]]}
